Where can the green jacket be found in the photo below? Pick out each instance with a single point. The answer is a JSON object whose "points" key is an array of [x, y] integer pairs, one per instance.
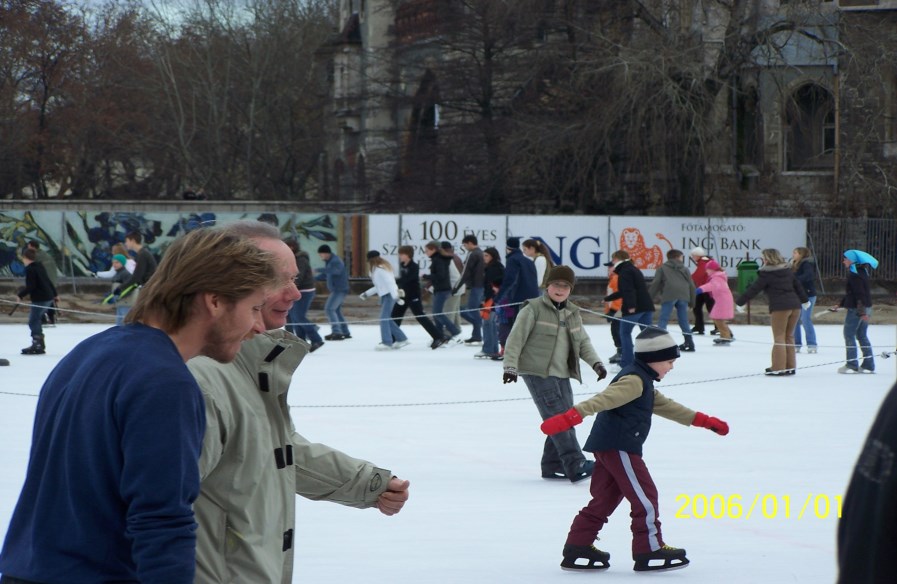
{"points": [[538, 332], [253, 465]]}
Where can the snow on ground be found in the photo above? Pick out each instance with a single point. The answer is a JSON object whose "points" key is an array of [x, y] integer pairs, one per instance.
{"points": [[479, 511]]}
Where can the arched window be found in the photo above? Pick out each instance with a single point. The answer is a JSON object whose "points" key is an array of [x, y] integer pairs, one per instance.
{"points": [[809, 129], [425, 115]]}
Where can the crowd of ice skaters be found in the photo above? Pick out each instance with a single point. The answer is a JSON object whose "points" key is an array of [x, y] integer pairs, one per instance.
{"points": [[488, 292], [520, 313]]}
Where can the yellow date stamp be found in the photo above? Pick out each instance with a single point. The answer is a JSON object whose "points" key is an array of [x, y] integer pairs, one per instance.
{"points": [[766, 506]]}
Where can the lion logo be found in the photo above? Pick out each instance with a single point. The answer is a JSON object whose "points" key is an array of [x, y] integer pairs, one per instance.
{"points": [[643, 257]]}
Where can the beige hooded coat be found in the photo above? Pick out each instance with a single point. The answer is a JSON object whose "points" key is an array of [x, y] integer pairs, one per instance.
{"points": [[254, 464]]}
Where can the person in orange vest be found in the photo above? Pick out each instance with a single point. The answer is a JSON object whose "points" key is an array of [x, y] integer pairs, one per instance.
{"points": [[611, 309]]}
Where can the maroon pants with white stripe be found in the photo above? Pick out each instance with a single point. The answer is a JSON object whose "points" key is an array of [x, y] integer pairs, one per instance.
{"points": [[620, 474]]}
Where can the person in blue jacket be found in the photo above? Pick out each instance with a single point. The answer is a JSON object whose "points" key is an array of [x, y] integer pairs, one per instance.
{"points": [[518, 285], [337, 277], [114, 466]]}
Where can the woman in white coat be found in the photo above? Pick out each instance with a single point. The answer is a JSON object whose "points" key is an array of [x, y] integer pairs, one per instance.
{"points": [[391, 336], [538, 252]]}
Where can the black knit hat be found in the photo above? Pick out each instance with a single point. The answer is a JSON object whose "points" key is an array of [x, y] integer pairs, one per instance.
{"points": [[561, 274], [373, 254], [653, 345], [513, 243], [324, 249]]}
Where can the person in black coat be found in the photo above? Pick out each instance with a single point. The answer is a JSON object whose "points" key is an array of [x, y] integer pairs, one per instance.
{"points": [[858, 302], [42, 292], [867, 531], [441, 284], [409, 289], [638, 308]]}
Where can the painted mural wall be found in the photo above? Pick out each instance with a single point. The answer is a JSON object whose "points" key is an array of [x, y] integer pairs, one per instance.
{"points": [[81, 241]]}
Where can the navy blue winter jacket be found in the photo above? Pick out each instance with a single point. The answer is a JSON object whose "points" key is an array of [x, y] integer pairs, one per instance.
{"points": [[806, 275], [626, 427], [520, 281]]}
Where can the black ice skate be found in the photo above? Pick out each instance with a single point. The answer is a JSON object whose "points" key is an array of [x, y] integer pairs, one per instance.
{"points": [[584, 557], [37, 346], [584, 472], [615, 358], [666, 558]]}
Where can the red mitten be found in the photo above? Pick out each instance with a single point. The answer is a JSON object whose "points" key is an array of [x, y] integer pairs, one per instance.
{"points": [[711, 423], [561, 422]]}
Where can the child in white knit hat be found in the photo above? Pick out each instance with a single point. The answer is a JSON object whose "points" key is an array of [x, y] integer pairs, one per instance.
{"points": [[624, 410]]}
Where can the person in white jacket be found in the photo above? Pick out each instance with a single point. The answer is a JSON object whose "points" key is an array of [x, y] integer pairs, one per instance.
{"points": [[391, 336], [538, 252]]}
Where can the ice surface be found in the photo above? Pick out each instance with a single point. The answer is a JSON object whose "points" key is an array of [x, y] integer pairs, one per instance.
{"points": [[479, 511]]}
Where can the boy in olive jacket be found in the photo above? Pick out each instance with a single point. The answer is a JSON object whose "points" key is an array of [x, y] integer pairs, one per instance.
{"points": [[624, 411], [545, 347]]}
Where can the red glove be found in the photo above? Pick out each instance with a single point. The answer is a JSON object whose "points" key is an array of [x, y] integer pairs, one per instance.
{"points": [[561, 422], [711, 423]]}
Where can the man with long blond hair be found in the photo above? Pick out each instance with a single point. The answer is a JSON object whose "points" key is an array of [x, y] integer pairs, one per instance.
{"points": [[109, 490]]}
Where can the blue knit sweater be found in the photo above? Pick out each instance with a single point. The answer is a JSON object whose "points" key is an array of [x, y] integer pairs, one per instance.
{"points": [[113, 471]]}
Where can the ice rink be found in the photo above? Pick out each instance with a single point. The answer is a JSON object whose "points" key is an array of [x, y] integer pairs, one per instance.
{"points": [[479, 511]]}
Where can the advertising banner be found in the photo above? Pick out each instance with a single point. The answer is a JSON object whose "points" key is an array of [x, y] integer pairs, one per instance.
{"points": [[586, 243]]}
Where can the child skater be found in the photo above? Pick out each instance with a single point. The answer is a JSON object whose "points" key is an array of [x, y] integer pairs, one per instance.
{"points": [[717, 285], [544, 348], [621, 427]]}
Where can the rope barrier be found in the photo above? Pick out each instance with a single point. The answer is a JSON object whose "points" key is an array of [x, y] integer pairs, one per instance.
{"points": [[883, 355], [106, 315]]}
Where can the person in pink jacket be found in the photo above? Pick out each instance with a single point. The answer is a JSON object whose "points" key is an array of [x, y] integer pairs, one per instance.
{"points": [[717, 285]]}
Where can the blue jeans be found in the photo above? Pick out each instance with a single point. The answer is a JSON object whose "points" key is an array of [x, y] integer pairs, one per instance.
{"points": [[490, 335], [333, 309], [34, 317], [389, 330], [553, 395], [666, 310], [472, 313], [299, 324], [855, 330], [806, 319], [643, 319], [443, 322], [120, 313]]}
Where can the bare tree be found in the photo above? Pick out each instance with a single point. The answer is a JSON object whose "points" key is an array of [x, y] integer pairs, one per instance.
{"points": [[637, 109], [41, 46], [240, 90]]}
